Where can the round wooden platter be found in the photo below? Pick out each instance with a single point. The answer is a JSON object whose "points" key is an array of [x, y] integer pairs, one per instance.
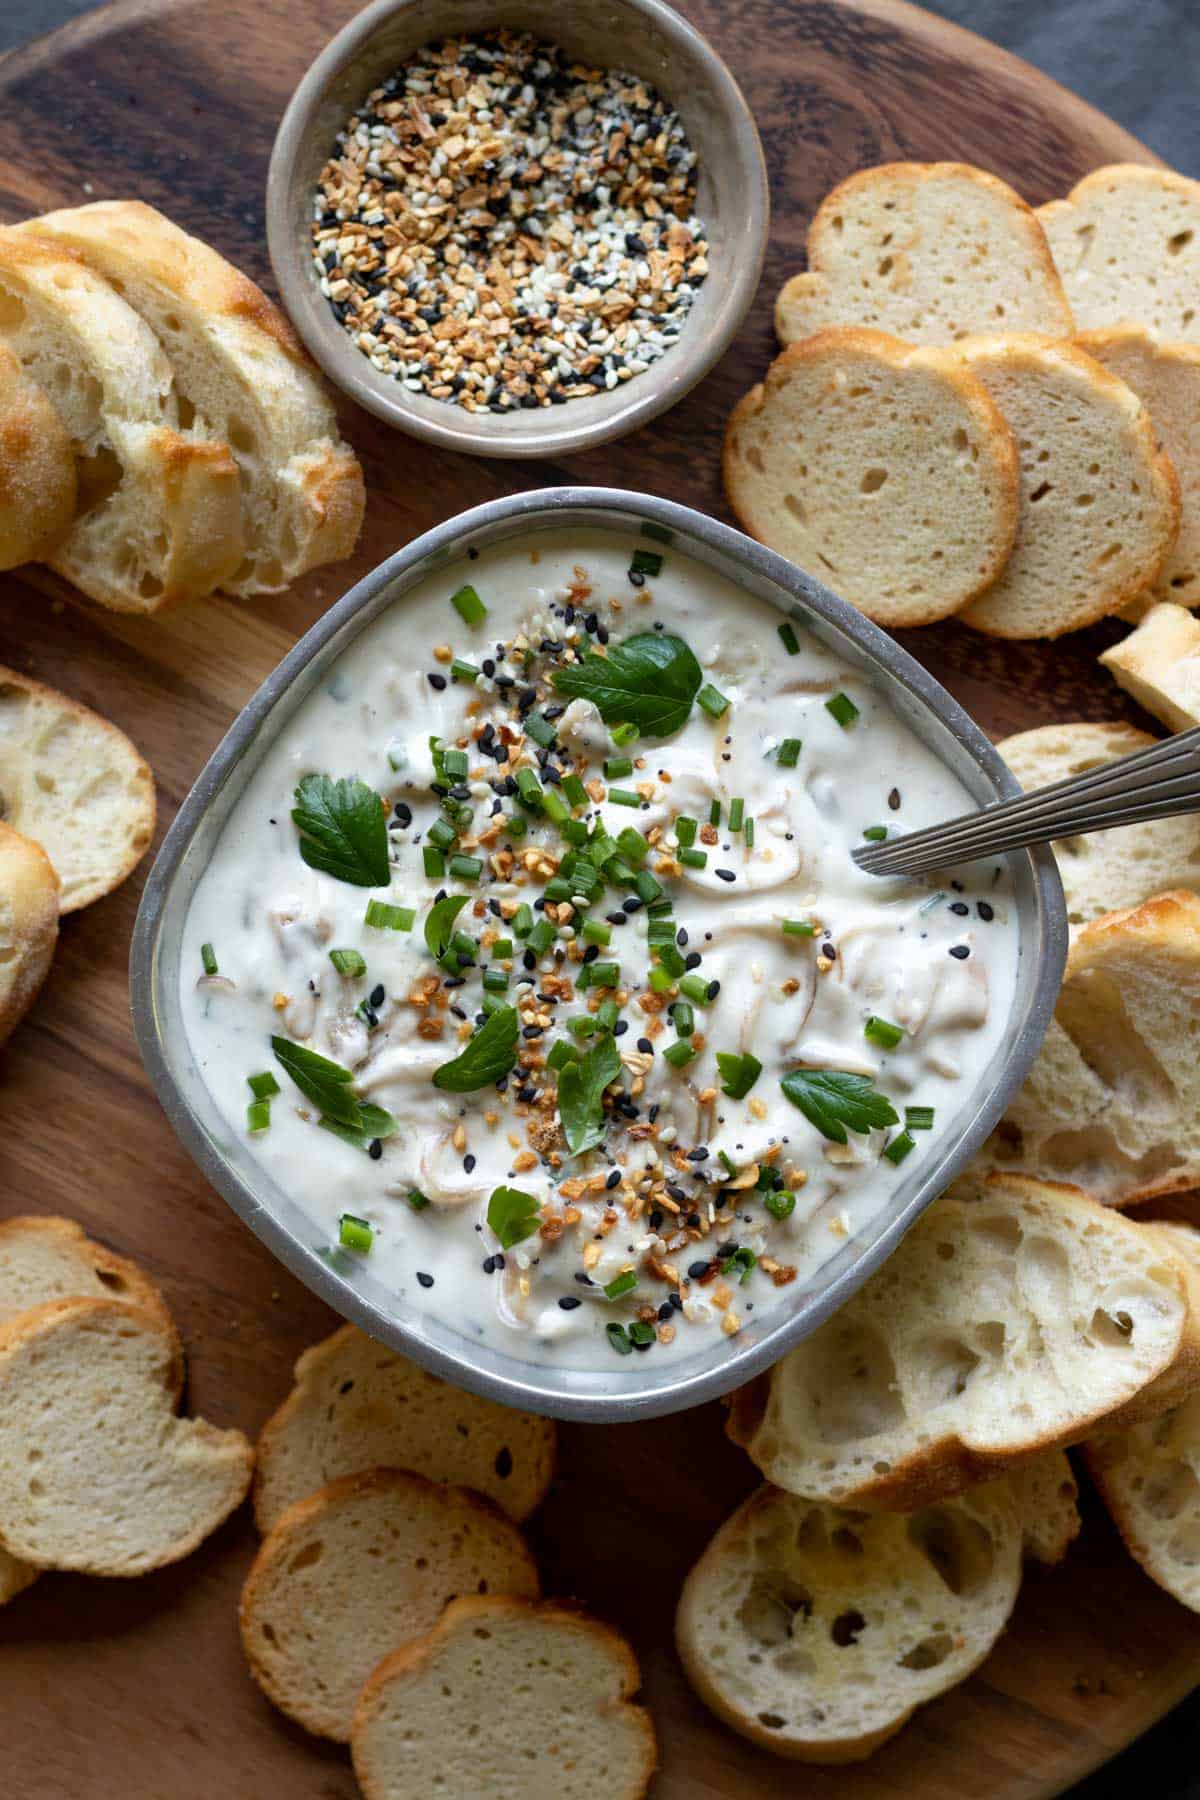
{"points": [[138, 1688]]}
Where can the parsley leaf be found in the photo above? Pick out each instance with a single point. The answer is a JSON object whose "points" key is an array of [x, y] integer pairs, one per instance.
{"points": [[375, 1124], [831, 1099], [321, 1081], [343, 830], [439, 923], [488, 1055], [649, 681], [581, 1088], [512, 1215]]}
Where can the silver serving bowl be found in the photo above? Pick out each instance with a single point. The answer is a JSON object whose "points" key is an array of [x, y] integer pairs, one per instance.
{"points": [[633, 1387]]}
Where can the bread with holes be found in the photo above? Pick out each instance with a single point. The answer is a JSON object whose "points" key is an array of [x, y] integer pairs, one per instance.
{"points": [[28, 925], [816, 1631], [1106, 870], [1149, 1478], [1112, 1102], [357, 1405], [1013, 1317], [1046, 1493], [883, 470], [97, 1472], [1126, 242], [46, 1258], [1166, 379], [439, 1715], [930, 252], [1099, 506], [240, 365], [358, 1569], [158, 513], [75, 785], [1159, 664], [37, 467]]}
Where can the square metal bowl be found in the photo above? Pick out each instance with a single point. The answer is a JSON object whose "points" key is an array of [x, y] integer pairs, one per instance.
{"points": [[633, 1387]]}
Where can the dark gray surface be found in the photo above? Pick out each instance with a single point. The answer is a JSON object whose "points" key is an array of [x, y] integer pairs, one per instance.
{"points": [[1139, 61]]}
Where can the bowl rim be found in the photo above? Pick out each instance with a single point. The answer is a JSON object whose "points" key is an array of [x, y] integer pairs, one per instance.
{"points": [[660, 387], [547, 1388]]}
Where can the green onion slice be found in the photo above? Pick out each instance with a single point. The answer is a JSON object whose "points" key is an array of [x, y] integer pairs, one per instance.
{"points": [[468, 605], [355, 1233], [348, 962]]}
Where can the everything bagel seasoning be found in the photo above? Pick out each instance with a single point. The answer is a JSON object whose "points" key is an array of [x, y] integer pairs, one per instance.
{"points": [[500, 227]]}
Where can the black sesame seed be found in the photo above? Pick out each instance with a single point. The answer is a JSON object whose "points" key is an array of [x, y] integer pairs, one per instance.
{"points": [[697, 1269], [375, 1149], [960, 908], [894, 800], [961, 951], [426, 1281], [692, 960], [569, 1302], [725, 875], [614, 1178], [645, 1046], [986, 911], [469, 1164], [378, 996], [436, 681]]}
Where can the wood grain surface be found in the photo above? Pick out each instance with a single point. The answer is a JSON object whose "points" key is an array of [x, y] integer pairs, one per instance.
{"points": [[137, 1688]]}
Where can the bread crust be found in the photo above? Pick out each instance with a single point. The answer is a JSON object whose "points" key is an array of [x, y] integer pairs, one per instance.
{"points": [[1091, 192], [31, 888], [37, 467], [1167, 638], [124, 1278]]}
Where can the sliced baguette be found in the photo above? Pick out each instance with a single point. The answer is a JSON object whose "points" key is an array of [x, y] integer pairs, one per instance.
{"points": [[357, 1405], [241, 366], [817, 1632], [45, 1259], [28, 925], [930, 252], [1011, 1319], [158, 513], [1113, 1101], [358, 1569], [97, 1474], [1099, 498], [15, 1576], [1166, 379], [37, 468], [1126, 242], [1109, 869], [884, 470], [1046, 1492], [75, 785], [439, 1715], [1159, 664]]}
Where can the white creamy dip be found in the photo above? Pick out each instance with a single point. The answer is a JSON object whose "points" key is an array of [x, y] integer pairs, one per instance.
{"points": [[696, 1209]]}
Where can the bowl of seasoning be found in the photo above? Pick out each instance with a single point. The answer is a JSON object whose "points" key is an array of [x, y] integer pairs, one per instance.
{"points": [[514, 228]]}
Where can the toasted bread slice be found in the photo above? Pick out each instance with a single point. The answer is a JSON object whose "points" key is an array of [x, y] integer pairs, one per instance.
{"points": [[358, 1569], [1159, 664], [75, 785], [122, 1486], [15, 1576], [159, 508], [1113, 1100], [37, 468], [1012, 1318], [1126, 241], [1166, 379], [930, 252], [241, 366], [428, 1708], [1046, 1492], [1109, 869], [28, 924], [817, 1632], [357, 1405], [1099, 499], [45, 1259], [883, 470]]}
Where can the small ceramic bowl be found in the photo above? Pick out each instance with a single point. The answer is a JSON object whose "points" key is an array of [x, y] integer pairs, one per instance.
{"points": [[642, 35]]}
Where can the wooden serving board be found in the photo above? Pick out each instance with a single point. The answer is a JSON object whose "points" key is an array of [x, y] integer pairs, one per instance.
{"points": [[138, 1688]]}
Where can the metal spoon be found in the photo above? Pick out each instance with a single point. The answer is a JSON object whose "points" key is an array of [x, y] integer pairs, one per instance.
{"points": [[1157, 783]]}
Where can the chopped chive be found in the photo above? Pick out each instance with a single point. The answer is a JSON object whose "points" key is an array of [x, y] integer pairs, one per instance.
{"points": [[528, 787], [258, 1115], [791, 642], [416, 1199], [843, 709], [623, 734], [557, 889], [617, 767], [633, 846], [692, 859], [603, 974], [624, 1283], [540, 730], [712, 700], [555, 807], [714, 813], [640, 1332], [736, 809], [462, 945], [491, 1003], [738, 1073], [685, 831], [583, 1025], [574, 790], [208, 957], [624, 797], [670, 959], [618, 1337], [918, 1118], [348, 962], [462, 670], [384, 917], [522, 920], [740, 1263], [464, 868], [780, 1203], [683, 1019], [560, 1054], [575, 831], [434, 862], [646, 562], [442, 834], [899, 1147], [495, 981], [727, 1163], [799, 928], [619, 871], [542, 936], [454, 762], [660, 979], [697, 988], [607, 1014], [876, 833], [515, 825], [679, 1054], [354, 1233], [468, 605], [596, 932], [788, 753], [748, 833], [264, 1086], [501, 949], [646, 885], [883, 1032]]}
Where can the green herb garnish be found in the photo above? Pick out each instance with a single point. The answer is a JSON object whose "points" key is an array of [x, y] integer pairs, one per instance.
{"points": [[843, 709], [343, 830], [376, 1123], [882, 1032], [832, 1099], [740, 1263], [468, 605], [918, 1118], [899, 1147], [486, 1057], [581, 1088], [624, 1283], [263, 1086], [439, 923], [348, 962], [738, 1073], [323, 1082], [355, 1233], [512, 1215], [208, 957], [648, 681], [389, 918]]}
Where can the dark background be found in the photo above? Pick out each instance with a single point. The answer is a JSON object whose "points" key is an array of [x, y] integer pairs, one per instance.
{"points": [[1138, 61]]}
